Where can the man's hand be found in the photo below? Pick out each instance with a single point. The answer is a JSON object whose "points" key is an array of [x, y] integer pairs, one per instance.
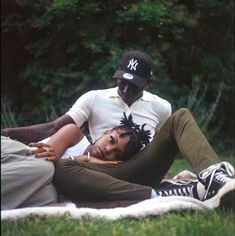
{"points": [[43, 150]]}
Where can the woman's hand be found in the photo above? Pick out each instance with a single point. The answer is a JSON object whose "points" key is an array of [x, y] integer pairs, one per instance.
{"points": [[95, 160], [43, 150]]}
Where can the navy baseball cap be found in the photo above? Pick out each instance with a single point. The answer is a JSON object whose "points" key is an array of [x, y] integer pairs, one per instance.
{"points": [[136, 67]]}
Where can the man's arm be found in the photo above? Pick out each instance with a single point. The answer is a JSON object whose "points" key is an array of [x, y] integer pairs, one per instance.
{"points": [[35, 133]]}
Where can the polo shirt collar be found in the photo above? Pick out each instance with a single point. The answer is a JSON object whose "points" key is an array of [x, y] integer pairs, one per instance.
{"points": [[114, 94]]}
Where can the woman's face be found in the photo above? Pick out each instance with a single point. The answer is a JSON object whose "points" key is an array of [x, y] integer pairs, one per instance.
{"points": [[110, 146]]}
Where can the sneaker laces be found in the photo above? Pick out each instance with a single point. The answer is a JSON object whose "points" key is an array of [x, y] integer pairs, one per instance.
{"points": [[181, 191], [227, 167], [221, 175]]}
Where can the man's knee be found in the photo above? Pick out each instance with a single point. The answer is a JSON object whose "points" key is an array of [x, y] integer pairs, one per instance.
{"points": [[183, 112], [181, 117]]}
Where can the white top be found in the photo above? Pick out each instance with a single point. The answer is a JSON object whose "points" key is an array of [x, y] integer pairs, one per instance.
{"points": [[103, 109], [76, 150]]}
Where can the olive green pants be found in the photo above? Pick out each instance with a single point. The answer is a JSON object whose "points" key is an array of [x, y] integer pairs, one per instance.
{"points": [[133, 179]]}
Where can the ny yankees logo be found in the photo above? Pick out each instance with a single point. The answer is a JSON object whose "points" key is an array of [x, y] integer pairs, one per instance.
{"points": [[132, 64]]}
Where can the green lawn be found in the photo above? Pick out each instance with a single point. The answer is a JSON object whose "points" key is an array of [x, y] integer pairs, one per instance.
{"points": [[206, 223]]}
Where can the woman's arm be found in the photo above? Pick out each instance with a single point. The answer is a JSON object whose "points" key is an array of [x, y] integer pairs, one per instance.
{"points": [[64, 138]]}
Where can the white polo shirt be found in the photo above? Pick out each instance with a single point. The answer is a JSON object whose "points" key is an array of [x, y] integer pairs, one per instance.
{"points": [[103, 109]]}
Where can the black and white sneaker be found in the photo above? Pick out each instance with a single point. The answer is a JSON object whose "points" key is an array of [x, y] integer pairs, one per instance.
{"points": [[219, 185], [179, 189]]}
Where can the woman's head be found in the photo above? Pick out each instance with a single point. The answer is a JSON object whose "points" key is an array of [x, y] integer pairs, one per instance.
{"points": [[122, 142]]}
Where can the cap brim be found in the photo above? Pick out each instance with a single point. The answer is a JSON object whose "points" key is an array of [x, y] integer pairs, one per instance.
{"points": [[136, 80]]}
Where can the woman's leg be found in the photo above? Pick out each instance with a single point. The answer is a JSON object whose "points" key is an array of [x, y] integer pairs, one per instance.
{"points": [[25, 180]]}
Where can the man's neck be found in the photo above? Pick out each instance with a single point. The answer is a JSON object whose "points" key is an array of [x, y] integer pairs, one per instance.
{"points": [[130, 102]]}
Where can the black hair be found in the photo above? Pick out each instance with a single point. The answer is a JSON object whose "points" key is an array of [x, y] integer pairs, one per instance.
{"points": [[139, 137]]}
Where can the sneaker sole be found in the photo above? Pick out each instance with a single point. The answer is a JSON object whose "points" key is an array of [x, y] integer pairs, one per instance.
{"points": [[224, 198]]}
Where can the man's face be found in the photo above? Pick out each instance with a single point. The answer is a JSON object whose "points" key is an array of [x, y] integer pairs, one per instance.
{"points": [[128, 91], [110, 146]]}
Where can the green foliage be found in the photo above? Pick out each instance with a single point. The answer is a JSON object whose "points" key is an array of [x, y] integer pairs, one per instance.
{"points": [[8, 118], [196, 103], [54, 51]]}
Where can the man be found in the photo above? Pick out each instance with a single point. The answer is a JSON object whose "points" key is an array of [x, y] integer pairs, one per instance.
{"points": [[103, 109], [139, 178]]}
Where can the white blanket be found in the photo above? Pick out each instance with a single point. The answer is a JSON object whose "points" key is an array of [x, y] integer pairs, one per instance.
{"points": [[150, 207]]}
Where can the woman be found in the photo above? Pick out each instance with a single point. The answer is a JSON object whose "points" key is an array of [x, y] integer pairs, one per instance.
{"points": [[113, 146], [26, 174]]}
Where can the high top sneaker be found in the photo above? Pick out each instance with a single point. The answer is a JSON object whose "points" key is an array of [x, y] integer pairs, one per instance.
{"points": [[219, 185], [189, 189]]}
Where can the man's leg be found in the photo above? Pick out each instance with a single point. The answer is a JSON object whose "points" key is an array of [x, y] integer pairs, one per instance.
{"points": [[181, 133], [148, 167], [76, 181], [25, 180]]}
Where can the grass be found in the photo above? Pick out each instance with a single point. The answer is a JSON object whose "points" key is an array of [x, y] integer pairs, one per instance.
{"points": [[195, 223]]}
